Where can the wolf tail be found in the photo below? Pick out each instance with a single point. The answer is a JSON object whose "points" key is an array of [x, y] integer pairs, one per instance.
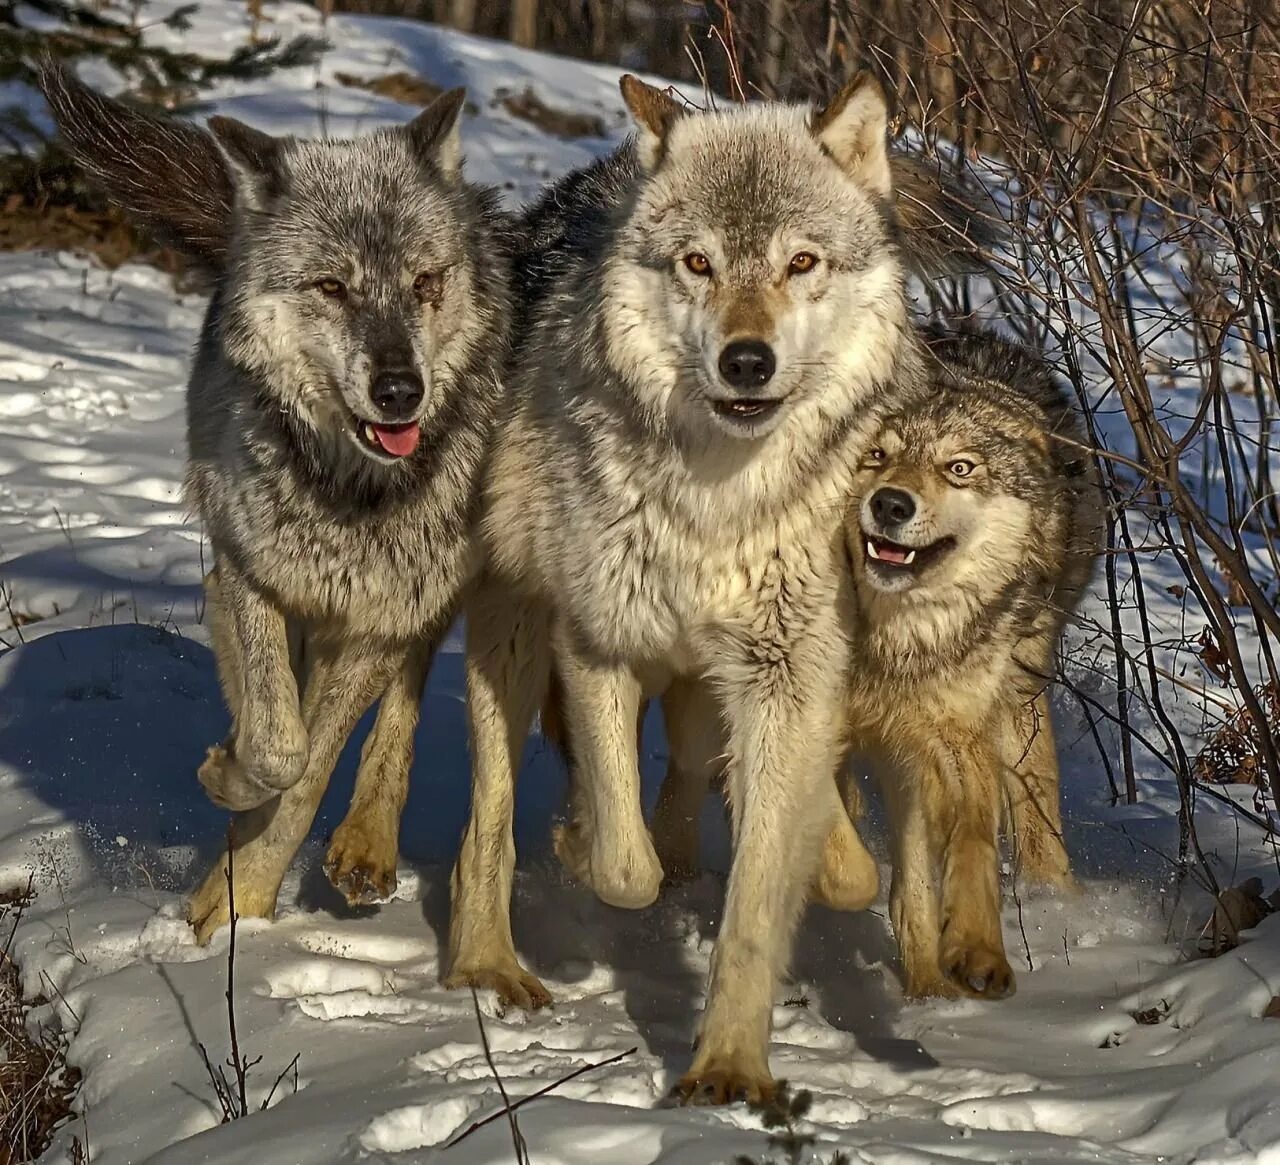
{"points": [[944, 226], [166, 174]]}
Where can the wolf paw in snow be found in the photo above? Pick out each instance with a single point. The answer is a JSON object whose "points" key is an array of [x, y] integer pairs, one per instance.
{"points": [[514, 986], [724, 1083], [978, 970], [629, 881], [210, 906], [931, 984], [239, 777], [360, 865]]}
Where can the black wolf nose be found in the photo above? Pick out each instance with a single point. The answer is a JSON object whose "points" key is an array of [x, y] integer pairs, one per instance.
{"points": [[747, 364], [892, 507], [397, 393]]}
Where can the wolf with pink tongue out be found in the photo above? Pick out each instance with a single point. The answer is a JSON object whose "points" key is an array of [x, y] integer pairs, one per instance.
{"points": [[340, 409]]}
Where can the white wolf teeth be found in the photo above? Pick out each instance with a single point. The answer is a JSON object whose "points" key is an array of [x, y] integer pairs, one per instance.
{"points": [[872, 552], [370, 433]]}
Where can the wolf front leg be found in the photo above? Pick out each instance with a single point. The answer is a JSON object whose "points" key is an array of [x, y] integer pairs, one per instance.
{"points": [[695, 739], [783, 710], [847, 879], [362, 857], [913, 893], [343, 678], [266, 752], [963, 801], [606, 845], [507, 665]]}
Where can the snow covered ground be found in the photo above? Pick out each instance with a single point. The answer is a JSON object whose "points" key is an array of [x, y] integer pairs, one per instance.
{"points": [[108, 699]]}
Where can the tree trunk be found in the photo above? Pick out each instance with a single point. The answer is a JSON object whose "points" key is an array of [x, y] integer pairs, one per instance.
{"points": [[524, 23], [774, 42], [462, 14]]}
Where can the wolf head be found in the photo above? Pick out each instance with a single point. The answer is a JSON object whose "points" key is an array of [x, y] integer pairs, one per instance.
{"points": [[962, 489], [754, 282], [358, 280], [350, 287]]}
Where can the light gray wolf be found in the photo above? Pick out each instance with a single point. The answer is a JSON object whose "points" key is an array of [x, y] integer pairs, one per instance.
{"points": [[976, 524], [703, 363], [340, 410]]}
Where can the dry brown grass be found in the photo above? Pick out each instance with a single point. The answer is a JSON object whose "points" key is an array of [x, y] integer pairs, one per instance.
{"points": [[45, 206], [37, 1085]]}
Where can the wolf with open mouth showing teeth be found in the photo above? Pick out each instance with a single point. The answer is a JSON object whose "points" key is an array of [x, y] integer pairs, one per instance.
{"points": [[340, 409], [975, 528]]}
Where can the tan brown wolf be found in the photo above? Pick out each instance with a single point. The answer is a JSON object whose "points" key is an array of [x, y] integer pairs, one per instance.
{"points": [[974, 533]]}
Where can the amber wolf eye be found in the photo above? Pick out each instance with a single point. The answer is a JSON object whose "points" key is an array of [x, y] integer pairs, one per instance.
{"points": [[331, 288], [961, 467], [698, 263], [802, 263]]}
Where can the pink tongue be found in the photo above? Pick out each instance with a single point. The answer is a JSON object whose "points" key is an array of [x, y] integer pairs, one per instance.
{"points": [[889, 553], [398, 440]]}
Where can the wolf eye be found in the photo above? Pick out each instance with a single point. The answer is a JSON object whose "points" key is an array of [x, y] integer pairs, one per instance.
{"points": [[802, 262], [875, 457], [961, 467], [427, 285], [698, 263], [332, 288]]}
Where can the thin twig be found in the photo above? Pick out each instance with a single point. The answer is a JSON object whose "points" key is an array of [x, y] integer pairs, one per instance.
{"points": [[517, 1139], [540, 1093], [237, 1064]]}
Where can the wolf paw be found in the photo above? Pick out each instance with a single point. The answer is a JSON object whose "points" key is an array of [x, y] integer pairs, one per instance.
{"points": [[514, 986], [629, 881], [930, 986], [978, 970], [1049, 877], [360, 865], [226, 782], [724, 1084], [209, 908], [238, 778], [849, 878]]}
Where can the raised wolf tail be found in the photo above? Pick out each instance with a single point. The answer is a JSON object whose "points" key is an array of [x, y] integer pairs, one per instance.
{"points": [[944, 226], [166, 174]]}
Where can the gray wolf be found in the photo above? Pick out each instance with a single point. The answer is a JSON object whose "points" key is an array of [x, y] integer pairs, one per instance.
{"points": [[700, 375], [974, 531], [340, 410]]}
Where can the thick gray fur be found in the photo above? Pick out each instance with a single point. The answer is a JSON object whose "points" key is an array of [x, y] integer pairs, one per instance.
{"points": [[337, 566]]}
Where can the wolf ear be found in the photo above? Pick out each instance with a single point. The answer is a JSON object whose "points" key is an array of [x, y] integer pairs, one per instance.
{"points": [[256, 160], [436, 133], [854, 130], [166, 174], [654, 113]]}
